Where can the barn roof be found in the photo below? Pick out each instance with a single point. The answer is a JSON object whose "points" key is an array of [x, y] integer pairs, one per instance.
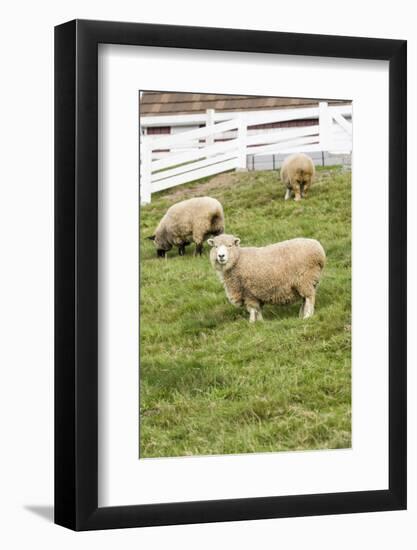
{"points": [[171, 103]]}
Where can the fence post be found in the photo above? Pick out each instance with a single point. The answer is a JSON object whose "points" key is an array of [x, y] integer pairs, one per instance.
{"points": [[210, 122], [325, 126], [145, 171], [242, 131]]}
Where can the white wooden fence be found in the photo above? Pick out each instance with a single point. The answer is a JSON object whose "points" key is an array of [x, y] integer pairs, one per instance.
{"points": [[226, 139]]}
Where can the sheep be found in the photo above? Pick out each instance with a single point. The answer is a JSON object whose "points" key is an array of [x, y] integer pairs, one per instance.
{"points": [[297, 173], [186, 221], [278, 273]]}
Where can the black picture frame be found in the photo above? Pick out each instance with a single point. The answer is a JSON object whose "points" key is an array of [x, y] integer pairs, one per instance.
{"points": [[76, 272]]}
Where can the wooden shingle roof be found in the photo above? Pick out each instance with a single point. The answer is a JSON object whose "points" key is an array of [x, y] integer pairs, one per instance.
{"points": [[171, 103]]}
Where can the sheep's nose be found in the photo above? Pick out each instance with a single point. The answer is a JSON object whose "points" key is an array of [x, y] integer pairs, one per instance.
{"points": [[221, 256]]}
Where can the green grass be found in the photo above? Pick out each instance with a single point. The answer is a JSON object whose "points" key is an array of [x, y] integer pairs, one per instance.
{"points": [[210, 382]]}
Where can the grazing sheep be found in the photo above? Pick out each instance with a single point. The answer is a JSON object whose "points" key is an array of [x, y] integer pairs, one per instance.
{"points": [[278, 273], [192, 220], [297, 173]]}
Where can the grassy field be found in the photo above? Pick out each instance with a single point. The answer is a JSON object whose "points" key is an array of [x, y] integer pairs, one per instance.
{"points": [[210, 382]]}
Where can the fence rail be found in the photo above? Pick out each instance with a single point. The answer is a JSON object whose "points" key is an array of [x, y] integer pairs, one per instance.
{"points": [[228, 138]]}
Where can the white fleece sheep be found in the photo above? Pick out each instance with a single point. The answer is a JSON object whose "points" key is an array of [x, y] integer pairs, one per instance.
{"points": [[297, 173], [192, 220], [279, 273]]}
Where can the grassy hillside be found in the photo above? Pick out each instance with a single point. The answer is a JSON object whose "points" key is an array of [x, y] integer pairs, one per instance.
{"points": [[211, 383]]}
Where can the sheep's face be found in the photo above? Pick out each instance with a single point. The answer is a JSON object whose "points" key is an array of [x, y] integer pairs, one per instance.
{"points": [[225, 251], [161, 246]]}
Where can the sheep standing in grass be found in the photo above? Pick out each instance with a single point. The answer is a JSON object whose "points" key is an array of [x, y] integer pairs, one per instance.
{"points": [[279, 273], [297, 173], [192, 220]]}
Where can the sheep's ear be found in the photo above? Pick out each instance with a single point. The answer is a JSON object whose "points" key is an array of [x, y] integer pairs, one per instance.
{"points": [[237, 241], [151, 238], [210, 242]]}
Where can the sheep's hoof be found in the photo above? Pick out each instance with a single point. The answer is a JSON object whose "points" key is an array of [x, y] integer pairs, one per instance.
{"points": [[307, 316], [255, 316]]}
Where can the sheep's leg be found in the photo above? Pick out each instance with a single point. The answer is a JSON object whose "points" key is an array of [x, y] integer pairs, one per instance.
{"points": [[301, 312], [198, 249], [297, 191], [254, 311], [287, 194], [306, 188], [198, 239], [309, 306], [252, 315], [181, 248]]}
